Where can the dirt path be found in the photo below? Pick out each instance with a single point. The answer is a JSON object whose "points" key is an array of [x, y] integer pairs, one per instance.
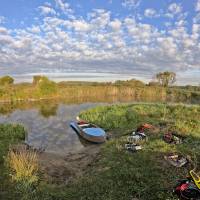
{"points": [[63, 169]]}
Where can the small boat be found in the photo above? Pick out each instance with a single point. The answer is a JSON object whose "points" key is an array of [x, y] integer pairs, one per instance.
{"points": [[89, 131]]}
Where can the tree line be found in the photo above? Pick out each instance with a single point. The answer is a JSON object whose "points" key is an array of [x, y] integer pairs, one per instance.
{"points": [[163, 79]]}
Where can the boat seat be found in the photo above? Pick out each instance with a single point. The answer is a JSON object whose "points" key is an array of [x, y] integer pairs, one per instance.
{"points": [[82, 125]]}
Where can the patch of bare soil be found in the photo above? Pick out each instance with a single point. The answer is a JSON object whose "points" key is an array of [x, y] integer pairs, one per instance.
{"points": [[64, 169]]}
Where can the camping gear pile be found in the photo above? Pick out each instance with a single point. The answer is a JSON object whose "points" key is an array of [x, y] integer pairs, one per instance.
{"points": [[188, 188], [176, 160], [134, 140], [172, 138]]}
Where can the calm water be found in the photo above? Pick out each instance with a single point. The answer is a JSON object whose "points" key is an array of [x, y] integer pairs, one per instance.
{"points": [[47, 125], [47, 122]]}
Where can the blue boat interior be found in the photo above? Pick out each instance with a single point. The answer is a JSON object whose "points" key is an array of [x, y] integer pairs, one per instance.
{"points": [[94, 131], [89, 129]]}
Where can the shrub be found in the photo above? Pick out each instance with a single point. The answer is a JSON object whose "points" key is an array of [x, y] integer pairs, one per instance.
{"points": [[46, 87], [6, 80], [37, 78]]}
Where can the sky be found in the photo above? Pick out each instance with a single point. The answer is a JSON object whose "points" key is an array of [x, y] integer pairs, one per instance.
{"points": [[100, 39]]}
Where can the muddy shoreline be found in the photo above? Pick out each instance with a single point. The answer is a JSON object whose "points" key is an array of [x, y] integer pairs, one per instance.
{"points": [[58, 169]]}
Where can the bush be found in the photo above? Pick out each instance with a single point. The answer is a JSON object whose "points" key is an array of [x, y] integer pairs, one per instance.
{"points": [[37, 78], [6, 80], [46, 87]]}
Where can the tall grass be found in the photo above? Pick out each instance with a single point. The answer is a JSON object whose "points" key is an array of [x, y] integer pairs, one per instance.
{"points": [[184, 119], [97, 92], [23, 165]]}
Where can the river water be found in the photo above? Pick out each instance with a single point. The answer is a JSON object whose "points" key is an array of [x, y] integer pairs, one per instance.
{"points": [[48, 126]]}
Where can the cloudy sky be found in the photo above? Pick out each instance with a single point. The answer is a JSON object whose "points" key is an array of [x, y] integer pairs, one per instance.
{"points": [[104, 39]]}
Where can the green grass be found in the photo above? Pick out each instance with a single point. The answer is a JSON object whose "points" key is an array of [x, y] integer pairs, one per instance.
{"points": [[120, 175]]}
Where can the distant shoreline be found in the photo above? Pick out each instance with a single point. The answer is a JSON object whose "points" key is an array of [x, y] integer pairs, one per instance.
{"points": [[86, 77]]}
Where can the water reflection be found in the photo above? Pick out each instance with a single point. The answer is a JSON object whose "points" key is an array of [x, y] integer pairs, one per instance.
{"points": [[48, 109], [48, 127]]}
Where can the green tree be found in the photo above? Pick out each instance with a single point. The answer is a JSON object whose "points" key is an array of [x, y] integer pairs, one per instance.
{"points": [[46, 86], [166, 78], [6, 80], [37, 78]]}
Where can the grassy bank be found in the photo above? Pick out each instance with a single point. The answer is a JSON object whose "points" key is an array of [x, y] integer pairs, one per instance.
{"points": [[9, 135], [121, 175]]}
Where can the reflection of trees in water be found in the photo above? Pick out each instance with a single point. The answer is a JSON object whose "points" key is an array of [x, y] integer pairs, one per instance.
{"points": [[47, 110], [49, 107], [7, 108]]}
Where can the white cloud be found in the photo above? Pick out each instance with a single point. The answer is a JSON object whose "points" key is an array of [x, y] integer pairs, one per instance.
{"points": [[196, 19], [3, 30], [150, 13], [100, 43], [80, 25], [34, 29], [131, 4], [175, 8], [188, 43], [115, 25], [6, 39], [47, 10], [180, 23], [2, 19], [197, 6], [64, 6], [100, 18]]}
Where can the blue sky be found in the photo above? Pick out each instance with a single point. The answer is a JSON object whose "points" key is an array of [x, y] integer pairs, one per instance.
{"points": [[129, 38]]}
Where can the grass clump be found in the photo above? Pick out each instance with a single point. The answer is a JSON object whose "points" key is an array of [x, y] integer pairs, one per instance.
{"points": [[23, 165]]}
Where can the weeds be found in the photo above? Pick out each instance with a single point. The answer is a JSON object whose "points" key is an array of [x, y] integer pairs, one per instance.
{"points": [[23, 165]]}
